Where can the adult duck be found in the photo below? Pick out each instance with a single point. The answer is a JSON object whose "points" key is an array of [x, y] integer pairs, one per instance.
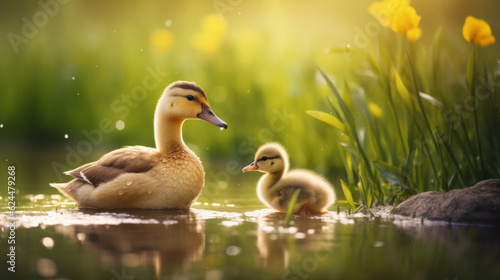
{"points": [[168, 176]]}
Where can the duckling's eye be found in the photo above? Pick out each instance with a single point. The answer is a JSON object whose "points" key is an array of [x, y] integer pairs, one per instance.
{"points": [[190, 97], [264, 158]]}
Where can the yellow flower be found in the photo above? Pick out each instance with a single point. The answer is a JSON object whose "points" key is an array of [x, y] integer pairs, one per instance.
{"points": [[214, 24], [213, 31], [162, 41], [406, 21], [478, 32], [384, 11]]}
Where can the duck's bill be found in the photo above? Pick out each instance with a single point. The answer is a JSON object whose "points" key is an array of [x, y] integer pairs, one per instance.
{"points": [[208, 115], [251, 167]]}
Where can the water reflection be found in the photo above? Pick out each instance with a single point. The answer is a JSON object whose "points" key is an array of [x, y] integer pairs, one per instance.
{"points": [[458, 238], [309, 237], [173, 239]]}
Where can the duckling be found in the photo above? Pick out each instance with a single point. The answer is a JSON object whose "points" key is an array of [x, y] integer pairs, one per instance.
{"points": [[276, 188], [168, 176]]}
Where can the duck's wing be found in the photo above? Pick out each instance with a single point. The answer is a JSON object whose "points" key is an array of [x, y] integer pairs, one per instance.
{"points": [[135, 159]]}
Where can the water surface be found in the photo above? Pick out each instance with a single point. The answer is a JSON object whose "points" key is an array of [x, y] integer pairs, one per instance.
{"points": [[239, 240]]}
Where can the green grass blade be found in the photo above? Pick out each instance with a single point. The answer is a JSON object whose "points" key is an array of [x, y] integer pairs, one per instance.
{"points": [[406, 169], [452, 156], [348, 195], [349, 167], [436, 46], [336, 93], [470, 68], [327, 118], [364, 187], [431, 100], [401, 88], [291, 207], [343, 50]]}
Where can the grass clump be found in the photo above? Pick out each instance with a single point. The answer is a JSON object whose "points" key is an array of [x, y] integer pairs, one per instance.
{"points": [[414, 120]]}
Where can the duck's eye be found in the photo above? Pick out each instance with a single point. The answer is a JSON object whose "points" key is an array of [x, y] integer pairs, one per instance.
{"points": [[190, 97], [264, 158]]}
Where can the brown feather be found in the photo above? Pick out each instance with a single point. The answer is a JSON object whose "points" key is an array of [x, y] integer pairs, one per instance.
{"points": [[135, 159], [187, 85]]}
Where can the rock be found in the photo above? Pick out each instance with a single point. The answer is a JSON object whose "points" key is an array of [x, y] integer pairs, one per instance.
{"points": [[479, 204]]}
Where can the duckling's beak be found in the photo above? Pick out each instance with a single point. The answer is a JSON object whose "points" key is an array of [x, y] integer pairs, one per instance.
{"points": [[253, 166], [208, 115]]}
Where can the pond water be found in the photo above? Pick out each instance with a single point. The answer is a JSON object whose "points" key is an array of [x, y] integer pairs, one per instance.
{"points": [[238, 240], [228, 234]]}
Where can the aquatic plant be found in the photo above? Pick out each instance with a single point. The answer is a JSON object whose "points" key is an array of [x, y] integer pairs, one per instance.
{"points": [[406, 124]]}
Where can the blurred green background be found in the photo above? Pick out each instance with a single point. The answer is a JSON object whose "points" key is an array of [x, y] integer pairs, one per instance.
{"points": [[70, 66]]}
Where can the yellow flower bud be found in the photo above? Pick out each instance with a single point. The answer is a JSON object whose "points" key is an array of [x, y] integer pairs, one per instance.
{"points": [[478, 32], [383, 11]]}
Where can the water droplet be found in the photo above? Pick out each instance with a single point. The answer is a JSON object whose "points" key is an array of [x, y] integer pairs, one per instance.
{"points": [[66, 136], [239, 13], [73, 78], [221, 129], [1, 125], [300, 235], [48, 242], [168, 23], [77, 93], [120, 125], [96, 66], [81, 236], [129, 183], [46, 268], [233, 250], [141, 50], [114, 31]]}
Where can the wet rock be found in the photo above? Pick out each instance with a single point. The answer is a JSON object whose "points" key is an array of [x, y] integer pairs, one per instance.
{"points": [[479, 204]]}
